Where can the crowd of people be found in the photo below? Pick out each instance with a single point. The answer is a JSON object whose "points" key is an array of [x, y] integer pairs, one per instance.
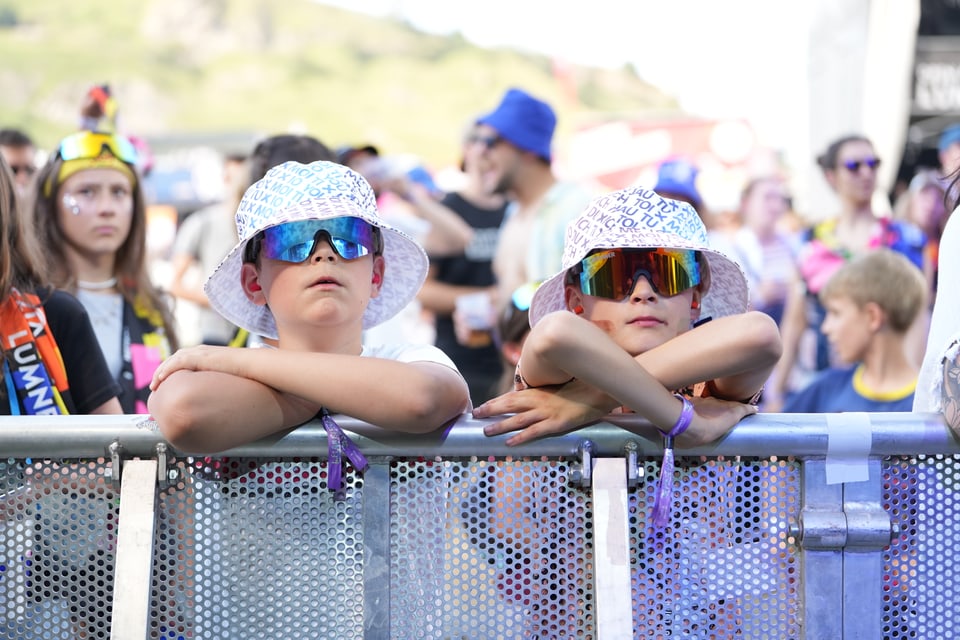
{"points": [[550, 305]]}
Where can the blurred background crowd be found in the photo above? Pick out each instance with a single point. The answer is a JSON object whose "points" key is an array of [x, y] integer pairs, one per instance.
{"points": [[856, 154]]}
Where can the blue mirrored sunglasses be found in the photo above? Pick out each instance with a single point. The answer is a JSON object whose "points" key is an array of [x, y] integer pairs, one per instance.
{"points": [[296, 241], [853, 166]]}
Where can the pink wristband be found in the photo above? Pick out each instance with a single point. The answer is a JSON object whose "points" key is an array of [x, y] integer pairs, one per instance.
{"points": [[686, 417]]}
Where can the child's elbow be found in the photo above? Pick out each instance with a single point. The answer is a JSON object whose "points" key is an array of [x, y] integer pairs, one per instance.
{"points": [[553, 334], [172, 406], [447, 398], [175, 424], [764, 337]]}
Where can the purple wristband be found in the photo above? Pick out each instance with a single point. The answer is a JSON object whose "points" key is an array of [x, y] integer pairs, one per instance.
{"points": [[686, 417]]}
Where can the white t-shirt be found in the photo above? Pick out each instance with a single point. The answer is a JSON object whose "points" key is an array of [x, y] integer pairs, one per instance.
{"points": [[944, 323], [106, 315], [397, 352], [412, 353], [408, 353]]}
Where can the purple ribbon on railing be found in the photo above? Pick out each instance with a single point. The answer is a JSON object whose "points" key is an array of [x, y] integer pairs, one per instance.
{"points": [[663, 499], [339, 445]]}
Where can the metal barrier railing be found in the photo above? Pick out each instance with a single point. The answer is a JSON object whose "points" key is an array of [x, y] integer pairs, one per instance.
{"points": [[812, 526]]}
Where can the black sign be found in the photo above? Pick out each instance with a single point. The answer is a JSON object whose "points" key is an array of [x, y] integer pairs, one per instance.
{"points": [[936, 76]]}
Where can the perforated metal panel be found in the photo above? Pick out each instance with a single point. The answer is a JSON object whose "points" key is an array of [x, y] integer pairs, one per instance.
{"points": [[276, 556], [921, 575], [58, 541], [477, 549], [485, 549], [173, 589], [724, 566]]}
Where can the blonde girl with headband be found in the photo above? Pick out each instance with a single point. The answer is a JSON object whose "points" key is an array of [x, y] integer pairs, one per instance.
{"points": [[90, 215]]}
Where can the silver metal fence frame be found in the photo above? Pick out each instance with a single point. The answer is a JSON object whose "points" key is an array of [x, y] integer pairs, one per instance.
{"points": [[841, 528]]}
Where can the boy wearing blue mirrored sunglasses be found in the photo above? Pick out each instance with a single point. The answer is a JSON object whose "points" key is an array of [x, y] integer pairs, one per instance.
{"points": [[311, 271]]}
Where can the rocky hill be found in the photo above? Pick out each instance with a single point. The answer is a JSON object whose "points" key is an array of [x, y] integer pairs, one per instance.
{"points": [[184, 67]]}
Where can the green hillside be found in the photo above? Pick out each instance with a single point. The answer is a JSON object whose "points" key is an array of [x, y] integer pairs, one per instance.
{"points": [[265, 66]]}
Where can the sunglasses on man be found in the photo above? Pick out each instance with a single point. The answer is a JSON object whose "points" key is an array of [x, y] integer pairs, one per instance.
{"points": [[853, 166], [488, 142]]}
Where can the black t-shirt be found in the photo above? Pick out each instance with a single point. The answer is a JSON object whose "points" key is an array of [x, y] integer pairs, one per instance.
{"points": [[88, 376], [472, 268]]}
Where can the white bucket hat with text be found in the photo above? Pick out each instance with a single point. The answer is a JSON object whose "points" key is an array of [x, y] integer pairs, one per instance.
{"points": [[317, 191], [638, 218]]}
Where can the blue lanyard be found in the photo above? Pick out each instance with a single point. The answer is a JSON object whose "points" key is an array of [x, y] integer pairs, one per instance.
{"points": [[12, 396]]}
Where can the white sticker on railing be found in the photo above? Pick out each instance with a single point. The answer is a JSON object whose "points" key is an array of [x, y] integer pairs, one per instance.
{"points": [[848, 447]]}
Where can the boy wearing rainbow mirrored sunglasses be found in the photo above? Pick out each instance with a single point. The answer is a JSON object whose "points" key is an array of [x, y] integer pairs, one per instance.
{"points": [[622, 325], [314, 267]]}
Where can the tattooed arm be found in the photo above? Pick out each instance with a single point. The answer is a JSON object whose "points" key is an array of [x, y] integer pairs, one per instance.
{"points": [[950, 391]]}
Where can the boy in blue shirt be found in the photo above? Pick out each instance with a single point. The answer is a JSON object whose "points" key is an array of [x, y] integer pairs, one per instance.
{"points": [[870, 304]]}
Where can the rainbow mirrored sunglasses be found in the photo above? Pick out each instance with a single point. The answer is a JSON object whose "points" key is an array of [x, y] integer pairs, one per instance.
{"points": [[296, 241], [88, 144], [612, 273]]}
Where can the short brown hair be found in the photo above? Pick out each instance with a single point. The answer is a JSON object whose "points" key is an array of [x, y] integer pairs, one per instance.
{"points": [[887, 279]]}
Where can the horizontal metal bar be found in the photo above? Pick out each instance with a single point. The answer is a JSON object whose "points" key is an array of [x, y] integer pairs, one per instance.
{"points": [[761, 435]]}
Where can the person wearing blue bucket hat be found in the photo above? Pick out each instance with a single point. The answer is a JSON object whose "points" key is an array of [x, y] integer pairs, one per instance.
{"points": [[524, 121], [948, 149], [315, 265], [677, 179], [517, 138]]}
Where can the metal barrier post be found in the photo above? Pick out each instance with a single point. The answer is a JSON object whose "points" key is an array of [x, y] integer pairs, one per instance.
{"points": [[868, 532], [821, 534], [843, 530], [376, 549]]}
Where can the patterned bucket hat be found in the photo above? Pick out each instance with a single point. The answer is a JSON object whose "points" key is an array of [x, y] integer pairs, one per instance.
{"points": [[637, 218], [317, 191]]}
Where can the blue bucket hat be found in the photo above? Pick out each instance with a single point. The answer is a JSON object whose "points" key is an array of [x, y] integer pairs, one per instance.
{"points": [[524, 121], [949, 136], [678, 177]]}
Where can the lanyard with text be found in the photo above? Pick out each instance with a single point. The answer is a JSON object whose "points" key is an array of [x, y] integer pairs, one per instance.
{"points": [[34, 374]]}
